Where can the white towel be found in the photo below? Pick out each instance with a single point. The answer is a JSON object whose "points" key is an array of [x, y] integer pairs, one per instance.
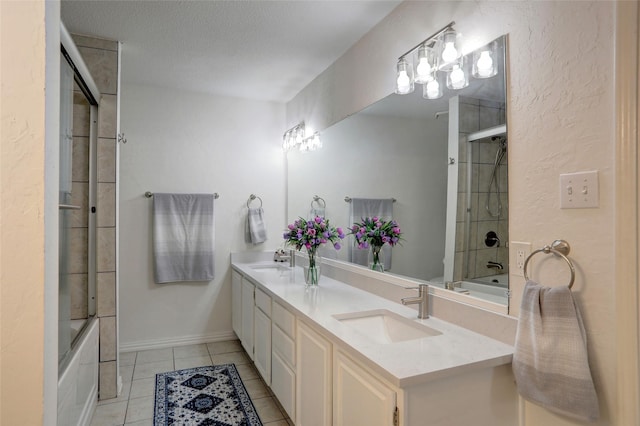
{"points": [[369, 207], [183, 237], [256, 227], [550, 362]]}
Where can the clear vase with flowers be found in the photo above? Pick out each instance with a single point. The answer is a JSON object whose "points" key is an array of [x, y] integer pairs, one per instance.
{"points": [[311, 234], [374, 232]]}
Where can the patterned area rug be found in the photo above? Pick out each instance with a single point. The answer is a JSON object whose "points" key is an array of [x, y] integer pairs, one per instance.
{"points": [[203, 396]]}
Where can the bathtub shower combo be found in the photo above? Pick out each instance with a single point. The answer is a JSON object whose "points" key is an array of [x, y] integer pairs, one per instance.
{"points": [[77, 322]]}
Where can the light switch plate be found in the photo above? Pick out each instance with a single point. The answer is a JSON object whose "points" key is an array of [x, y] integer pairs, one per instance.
{"points": [[579, 190]]}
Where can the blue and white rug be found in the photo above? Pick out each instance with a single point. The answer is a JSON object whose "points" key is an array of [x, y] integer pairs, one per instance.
{"points": [[204, 396]]}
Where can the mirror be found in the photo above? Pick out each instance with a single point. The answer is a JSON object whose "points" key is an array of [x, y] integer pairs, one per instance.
{"points": [[415, 151]]}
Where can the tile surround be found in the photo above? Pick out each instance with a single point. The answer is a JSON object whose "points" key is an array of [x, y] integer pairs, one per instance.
{"points": [[103, 66], [108, 339], [101, 57], [106, 295]]}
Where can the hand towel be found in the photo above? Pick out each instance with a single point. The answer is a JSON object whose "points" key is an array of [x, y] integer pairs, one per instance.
{"points": [[183, 237], [256, 228], [369, 207], [316, 211], [550, 361]]}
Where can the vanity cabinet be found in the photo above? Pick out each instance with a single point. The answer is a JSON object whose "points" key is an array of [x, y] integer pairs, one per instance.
{"points": [[283, 358], [247, 312], [359, 398], [320, 379], [236, 303], [262, 335], [313, 377]]}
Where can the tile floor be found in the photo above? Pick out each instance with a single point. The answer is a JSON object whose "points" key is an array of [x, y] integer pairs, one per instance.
{"points": [[138, 369]]}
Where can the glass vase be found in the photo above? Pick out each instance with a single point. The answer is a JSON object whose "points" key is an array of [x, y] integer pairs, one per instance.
{"points": [[375, 258], [312, 271]]}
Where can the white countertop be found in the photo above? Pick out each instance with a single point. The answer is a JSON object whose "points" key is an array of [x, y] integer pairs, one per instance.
{"points": [[456, 350]]}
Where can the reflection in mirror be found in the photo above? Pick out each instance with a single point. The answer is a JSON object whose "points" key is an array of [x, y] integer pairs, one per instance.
{"points": [[415, 151]]}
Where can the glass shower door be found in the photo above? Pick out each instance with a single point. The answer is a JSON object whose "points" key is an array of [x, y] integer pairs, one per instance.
{"points": [[76, 224]]}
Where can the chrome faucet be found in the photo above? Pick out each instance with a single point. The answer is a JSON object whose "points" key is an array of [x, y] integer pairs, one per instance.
{"points": [[495, 265], [279, 256], [422, 299]]}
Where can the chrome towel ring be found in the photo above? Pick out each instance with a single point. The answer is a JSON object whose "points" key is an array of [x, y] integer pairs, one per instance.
{"points": [[559, 248], [319, 201], [253, 197]]}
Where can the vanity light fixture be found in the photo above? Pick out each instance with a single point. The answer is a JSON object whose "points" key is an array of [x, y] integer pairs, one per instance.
{"points": [[297, 136], [438, 61], [404, 77]]}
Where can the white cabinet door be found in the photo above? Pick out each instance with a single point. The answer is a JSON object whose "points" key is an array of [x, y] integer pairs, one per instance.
{"points": [[262, 345], [236, 303], [358, 397], [313, 378], [247, 316], [283, 384]]}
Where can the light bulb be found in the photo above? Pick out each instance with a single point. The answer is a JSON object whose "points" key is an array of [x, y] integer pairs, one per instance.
{"points": [[457, 78], [433, 89], [423, 70], [485, 64], [449, 53], [403, 82]]}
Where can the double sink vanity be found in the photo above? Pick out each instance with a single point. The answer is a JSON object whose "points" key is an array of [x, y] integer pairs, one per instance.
{"points": [[340, 355]]}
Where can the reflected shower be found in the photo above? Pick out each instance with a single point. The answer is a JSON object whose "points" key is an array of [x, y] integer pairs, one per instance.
{"points": [[494, 181]]}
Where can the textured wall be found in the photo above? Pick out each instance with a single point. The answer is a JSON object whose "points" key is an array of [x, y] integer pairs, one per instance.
{"points": [[560, 118], [187, 142], [22, 195]]}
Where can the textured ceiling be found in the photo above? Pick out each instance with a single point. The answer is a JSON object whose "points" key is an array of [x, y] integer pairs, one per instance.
{"points": [[265, 50]]}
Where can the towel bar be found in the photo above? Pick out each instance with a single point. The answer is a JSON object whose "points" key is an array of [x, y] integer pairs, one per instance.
{"points": [[559, 248], [348, 199], [149, 194], [253, 197]]}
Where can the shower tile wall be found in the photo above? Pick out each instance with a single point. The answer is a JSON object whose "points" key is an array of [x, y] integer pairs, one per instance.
{"points": [[476, 114], [101, 57]]}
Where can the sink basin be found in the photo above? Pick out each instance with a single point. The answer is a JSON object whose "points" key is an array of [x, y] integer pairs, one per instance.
{"points": [[383, 326], [270, 266]]}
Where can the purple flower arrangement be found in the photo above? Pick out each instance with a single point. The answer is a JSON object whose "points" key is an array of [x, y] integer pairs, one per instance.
{"points": [[373, 231], [312, 233]]}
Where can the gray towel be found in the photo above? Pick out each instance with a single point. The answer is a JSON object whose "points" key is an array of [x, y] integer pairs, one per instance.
{"points": [[550, 362], [256, 227], [369, 207], [183, 237]]}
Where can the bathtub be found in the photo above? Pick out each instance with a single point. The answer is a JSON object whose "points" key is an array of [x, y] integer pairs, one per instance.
{"points": [[482, 288], [78, 381]]}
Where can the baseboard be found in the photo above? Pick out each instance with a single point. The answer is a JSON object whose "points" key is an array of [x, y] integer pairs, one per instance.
{"points": [[177, 341]]}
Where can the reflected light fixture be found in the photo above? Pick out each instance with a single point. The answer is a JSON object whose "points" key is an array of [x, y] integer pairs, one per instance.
{"points": [[302, 138], [458, 77], [484, 61]]}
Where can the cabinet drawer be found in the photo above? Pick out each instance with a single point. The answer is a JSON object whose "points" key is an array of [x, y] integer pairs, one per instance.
{"points": [[283, 385], [283, 319], [283, 345], [263, 301]]}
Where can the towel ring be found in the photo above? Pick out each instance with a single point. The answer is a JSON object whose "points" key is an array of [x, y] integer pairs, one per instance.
{"points": [[253, 197], [559, 248], [317, 200]]}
